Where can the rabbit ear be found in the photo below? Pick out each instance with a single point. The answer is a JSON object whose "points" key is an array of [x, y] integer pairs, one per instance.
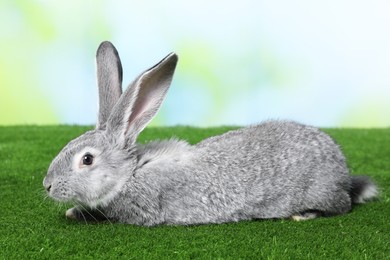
{"points": [[109, 80], [141, 101]]}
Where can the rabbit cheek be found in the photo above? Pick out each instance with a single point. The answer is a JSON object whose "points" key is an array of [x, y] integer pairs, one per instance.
{"points": [[87, 193], [94, 187], [104, 187]]}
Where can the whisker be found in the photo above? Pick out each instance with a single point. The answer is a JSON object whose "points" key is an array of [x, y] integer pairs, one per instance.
{"points": [[89, 213], [104, 215], [41, 195], [81, 212]]}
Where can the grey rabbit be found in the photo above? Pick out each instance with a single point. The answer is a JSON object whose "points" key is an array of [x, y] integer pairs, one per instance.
{"points": [[277, 169]]}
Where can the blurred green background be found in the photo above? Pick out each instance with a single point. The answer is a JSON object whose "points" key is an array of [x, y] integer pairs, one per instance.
{"points": [[321, 63]]}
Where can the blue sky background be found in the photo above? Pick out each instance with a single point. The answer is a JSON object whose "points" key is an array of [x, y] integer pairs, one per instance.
{"points": [[324, 63]]}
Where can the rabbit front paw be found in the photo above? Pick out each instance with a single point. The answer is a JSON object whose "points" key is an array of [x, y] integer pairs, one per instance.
{"points": [[86, 215], [73, 213]]}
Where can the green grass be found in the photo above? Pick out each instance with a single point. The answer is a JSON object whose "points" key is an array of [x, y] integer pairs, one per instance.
{"points": [[34, 227]]}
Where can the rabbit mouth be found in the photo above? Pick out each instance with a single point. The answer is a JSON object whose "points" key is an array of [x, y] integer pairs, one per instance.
{"points": [[59, 192], [61, 195]]}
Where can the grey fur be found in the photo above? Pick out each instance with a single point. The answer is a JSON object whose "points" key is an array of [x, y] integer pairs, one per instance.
{"points": [[277, 169]]}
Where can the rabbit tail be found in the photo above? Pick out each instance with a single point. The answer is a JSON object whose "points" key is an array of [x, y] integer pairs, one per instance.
{"points": [[363, 189]]}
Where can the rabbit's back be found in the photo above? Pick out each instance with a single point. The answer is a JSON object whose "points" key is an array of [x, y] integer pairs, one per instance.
{"points": [[277, 169]]}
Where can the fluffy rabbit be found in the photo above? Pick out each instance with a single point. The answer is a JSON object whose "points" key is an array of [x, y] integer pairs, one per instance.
{"points": [[276, 169]]}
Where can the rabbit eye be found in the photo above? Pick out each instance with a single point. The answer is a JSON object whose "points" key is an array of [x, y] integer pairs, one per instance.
{"points": [[88, 159]]}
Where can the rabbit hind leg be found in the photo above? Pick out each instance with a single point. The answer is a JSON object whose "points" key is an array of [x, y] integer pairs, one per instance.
{"points": [[307, 215]]}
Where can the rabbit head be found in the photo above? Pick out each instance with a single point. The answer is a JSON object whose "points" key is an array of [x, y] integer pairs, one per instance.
{"points": [[93, 168]]}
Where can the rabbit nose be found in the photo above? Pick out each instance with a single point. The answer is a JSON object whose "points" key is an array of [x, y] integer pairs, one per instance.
{"points": [[48, 188], [47, 184]]}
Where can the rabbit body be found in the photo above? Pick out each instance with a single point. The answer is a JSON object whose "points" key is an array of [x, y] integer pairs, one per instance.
{"points": [[272, 170], [277, 169]]}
